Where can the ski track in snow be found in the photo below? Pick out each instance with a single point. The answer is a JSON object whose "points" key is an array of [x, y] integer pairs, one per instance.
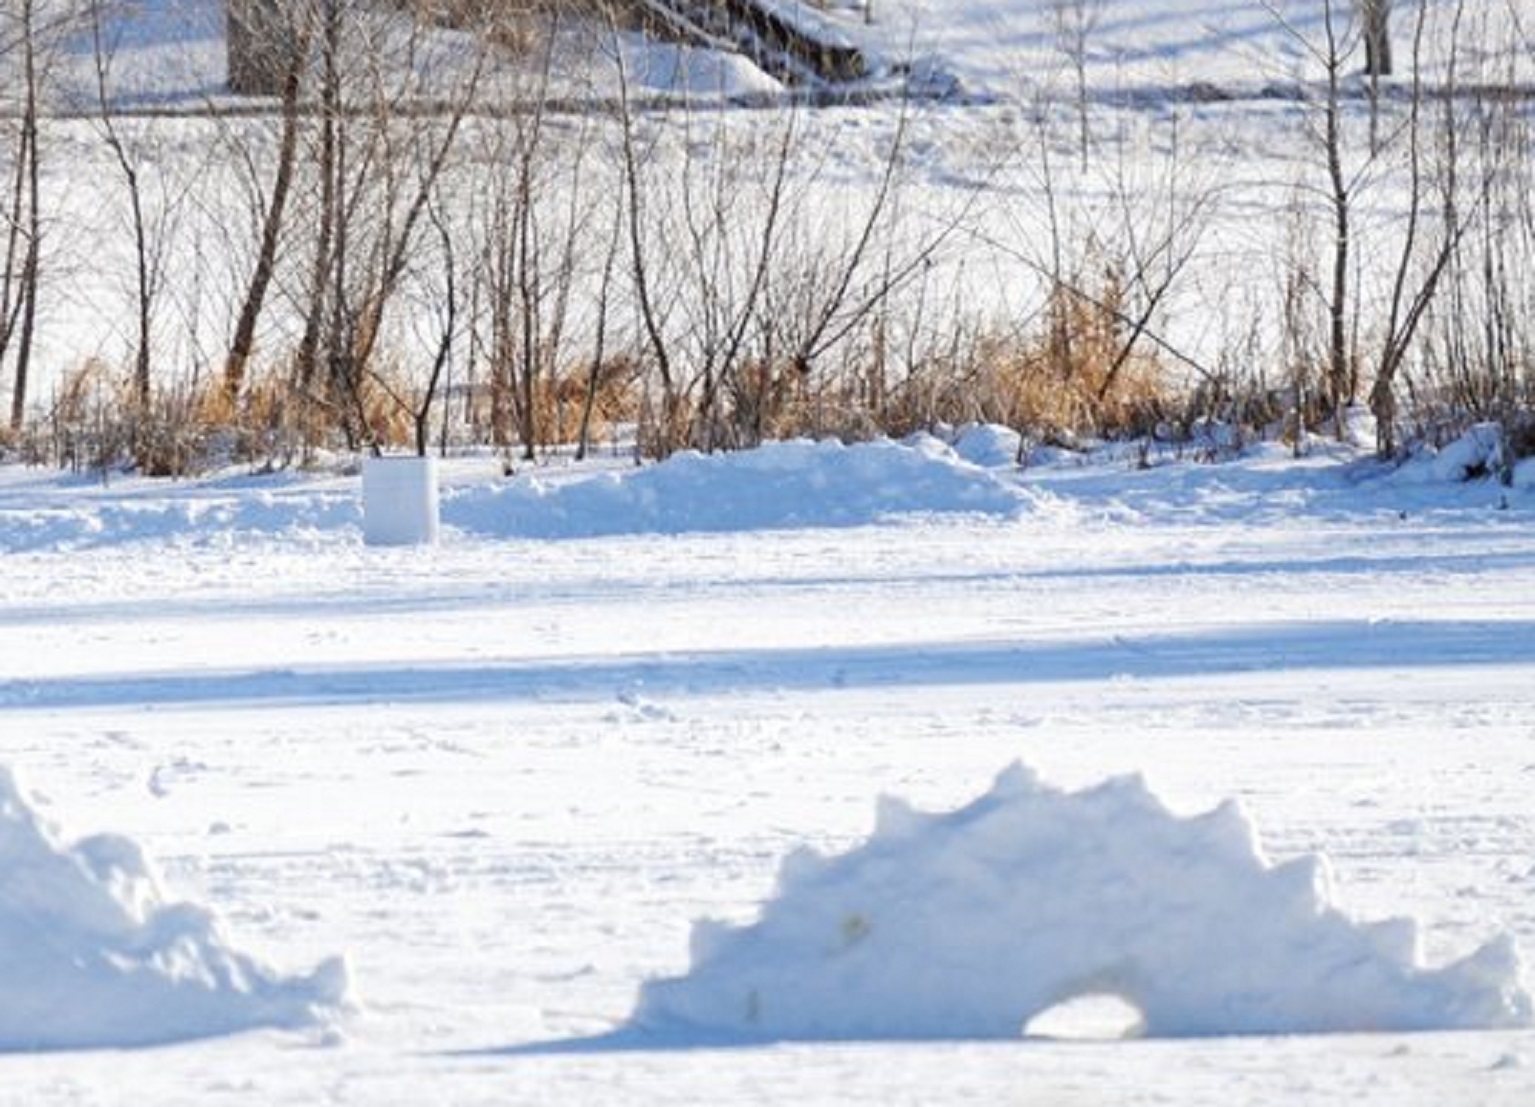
{"points": [[504, 775]]}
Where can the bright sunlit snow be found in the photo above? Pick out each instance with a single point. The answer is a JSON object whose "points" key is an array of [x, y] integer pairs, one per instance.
{"points": [[972, 924], [502, 774], [782, 484], [93, 956]]}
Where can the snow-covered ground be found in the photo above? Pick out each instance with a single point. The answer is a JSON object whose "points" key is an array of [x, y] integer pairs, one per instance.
{"points": [[172, 51], [503, 776]]}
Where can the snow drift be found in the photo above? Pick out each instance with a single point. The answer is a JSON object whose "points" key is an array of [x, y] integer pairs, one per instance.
{"points": [[969, 924], [92, 956], [779, 484]]}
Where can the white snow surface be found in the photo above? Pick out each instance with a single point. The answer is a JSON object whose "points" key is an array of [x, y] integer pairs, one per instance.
{"points": [[170, 51], [781, 484], [92, 956], [502, 774], [974, 923]]}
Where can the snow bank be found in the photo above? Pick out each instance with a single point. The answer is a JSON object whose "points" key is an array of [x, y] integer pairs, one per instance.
{"points": [[91, 955], [988, 445], [155, 511], [780, 484], [659, 68], [969, 924], [1475, 454]]}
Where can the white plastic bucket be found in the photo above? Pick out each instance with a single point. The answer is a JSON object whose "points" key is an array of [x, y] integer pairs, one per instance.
{"points": [[399, 501]]}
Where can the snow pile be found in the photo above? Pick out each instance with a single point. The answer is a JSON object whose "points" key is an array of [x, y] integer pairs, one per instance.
{"points": [[659, 68], [778, 485], [989, 446], [65, 519], [969, 924], [91, 956], [1475, 454]]}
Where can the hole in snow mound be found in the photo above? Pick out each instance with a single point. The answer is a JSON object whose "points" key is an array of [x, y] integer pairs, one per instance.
{"points": [[974, 923], [1088, 1018]]}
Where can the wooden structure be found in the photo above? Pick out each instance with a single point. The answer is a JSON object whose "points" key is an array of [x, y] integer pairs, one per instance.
{"points": [[793, 43]]}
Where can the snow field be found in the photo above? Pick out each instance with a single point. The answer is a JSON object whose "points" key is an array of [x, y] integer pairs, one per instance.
{"points": [[503, 776]]}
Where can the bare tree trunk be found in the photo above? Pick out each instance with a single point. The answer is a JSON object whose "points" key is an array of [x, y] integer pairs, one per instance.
{"points": [[1075, 23], [1340, 373], [306, 366], [599, 352], [28, 217], [1409, 306], [639, 271], [243, 344], [1376, 17], [144, 269], [444, 354]]}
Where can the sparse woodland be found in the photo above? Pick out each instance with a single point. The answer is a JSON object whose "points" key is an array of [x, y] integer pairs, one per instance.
{"points": [[409, 233]]}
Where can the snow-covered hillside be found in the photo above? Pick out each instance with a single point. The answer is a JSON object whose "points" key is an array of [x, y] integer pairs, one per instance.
{"points": [[172, 50]]}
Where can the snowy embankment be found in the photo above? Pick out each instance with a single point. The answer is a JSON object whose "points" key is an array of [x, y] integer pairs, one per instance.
{"points": [[782, 485], [93, 956]]}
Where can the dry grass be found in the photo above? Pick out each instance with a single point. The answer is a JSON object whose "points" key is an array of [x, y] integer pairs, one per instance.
{"points": [[560, 403], [1076, 375]]}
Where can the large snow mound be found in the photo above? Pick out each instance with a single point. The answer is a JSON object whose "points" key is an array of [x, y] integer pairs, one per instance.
{"points": [[91, 955], [778, 485], [971, 923]]}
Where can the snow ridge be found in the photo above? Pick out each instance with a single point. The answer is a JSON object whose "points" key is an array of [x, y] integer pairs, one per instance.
{"points": [[971, 923], [797, 483]]}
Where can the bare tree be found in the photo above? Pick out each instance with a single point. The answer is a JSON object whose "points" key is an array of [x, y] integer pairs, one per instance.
{"points": [[597, 365], [649, 303], [1156, 244], [1375, 16], [1326, 125], [23, 232], [1111, 245], [1421, 266], [1075, 22], [378, 157], [299, 29], [845, 272], [532, 227], [147, 253]]}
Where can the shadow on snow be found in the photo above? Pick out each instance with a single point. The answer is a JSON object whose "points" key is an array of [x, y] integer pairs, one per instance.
{"points": [[1341, 645]]}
